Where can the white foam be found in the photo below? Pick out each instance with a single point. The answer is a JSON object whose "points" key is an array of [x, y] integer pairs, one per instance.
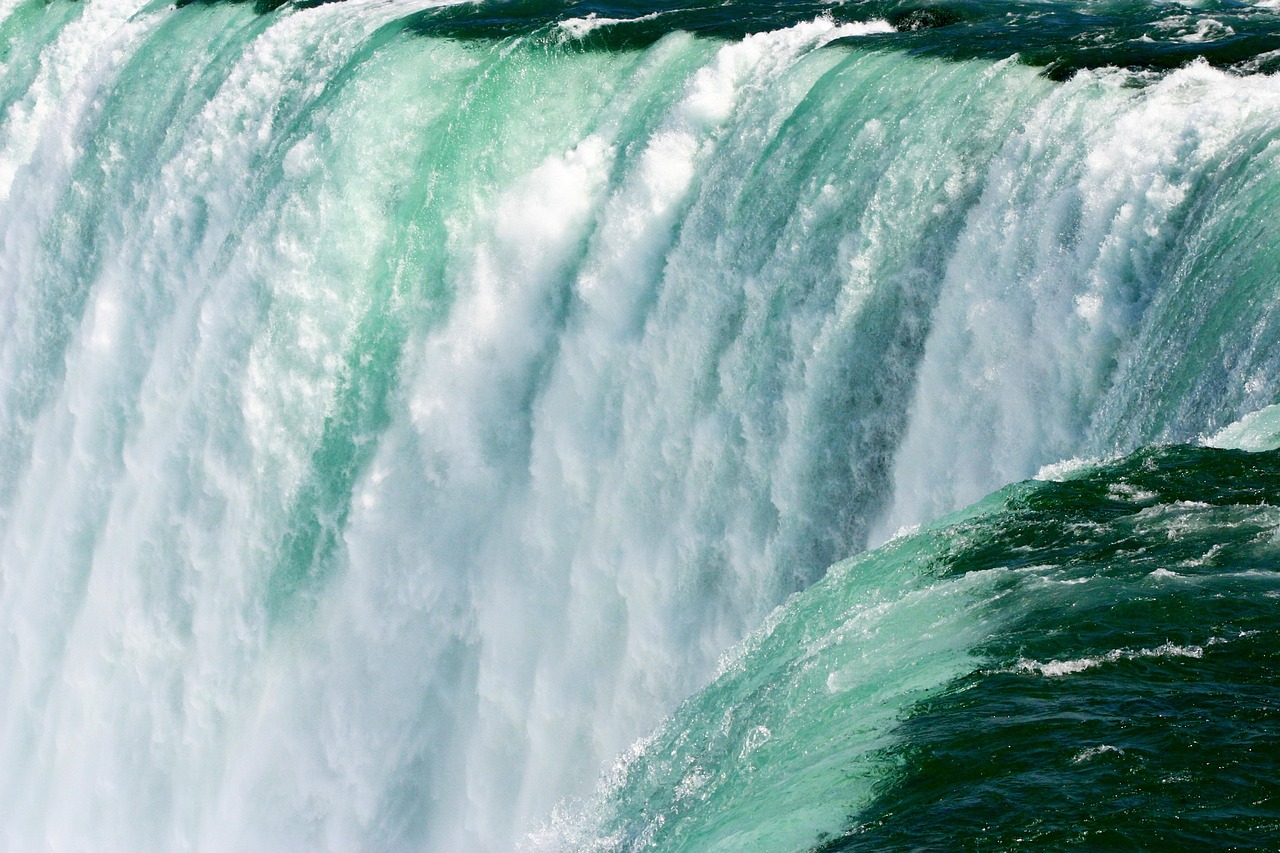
{"points": [[576, 28], [1032, 357], [1186, 28], [577, 503], [1066, 469], [1256, 431], [1130, 492], [1094, 751], [1204, 559], [1060, 668]]}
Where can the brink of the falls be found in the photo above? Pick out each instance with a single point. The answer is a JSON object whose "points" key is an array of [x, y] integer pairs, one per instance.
{"points": [[430, 427]]}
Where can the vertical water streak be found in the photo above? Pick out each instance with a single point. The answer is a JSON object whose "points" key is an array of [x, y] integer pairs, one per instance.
{"points": [[1066, 295]]}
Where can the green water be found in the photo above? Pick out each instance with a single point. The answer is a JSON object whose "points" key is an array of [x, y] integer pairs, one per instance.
{"points": [[471, 427], [1079, 664]]}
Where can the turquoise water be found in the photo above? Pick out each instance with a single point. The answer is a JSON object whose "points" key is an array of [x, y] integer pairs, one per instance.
{"points": [[413, 417], [1087, 663]]}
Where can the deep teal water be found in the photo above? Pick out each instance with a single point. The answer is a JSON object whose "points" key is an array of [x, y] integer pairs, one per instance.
{"points": [[1060, 37], [1119, 690]]}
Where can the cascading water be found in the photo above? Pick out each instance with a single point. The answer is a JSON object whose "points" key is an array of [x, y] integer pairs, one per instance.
{"points": [[404, 407]]}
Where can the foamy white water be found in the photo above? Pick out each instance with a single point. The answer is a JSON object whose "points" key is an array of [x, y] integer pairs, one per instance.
{"points": [[395, 428]]}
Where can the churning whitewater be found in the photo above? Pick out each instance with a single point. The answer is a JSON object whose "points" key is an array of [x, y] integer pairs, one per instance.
{"points": [[407, 410]]}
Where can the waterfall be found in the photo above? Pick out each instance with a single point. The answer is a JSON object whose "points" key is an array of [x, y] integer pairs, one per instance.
{"points": [[398, 422]]}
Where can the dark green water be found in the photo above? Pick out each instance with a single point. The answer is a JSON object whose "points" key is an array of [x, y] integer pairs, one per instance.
{"points": [[1061, 37], [1133, 701], [1120, 690]]}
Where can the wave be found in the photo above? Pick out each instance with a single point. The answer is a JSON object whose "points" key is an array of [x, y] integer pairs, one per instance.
{"points": [[1013, 675]]}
